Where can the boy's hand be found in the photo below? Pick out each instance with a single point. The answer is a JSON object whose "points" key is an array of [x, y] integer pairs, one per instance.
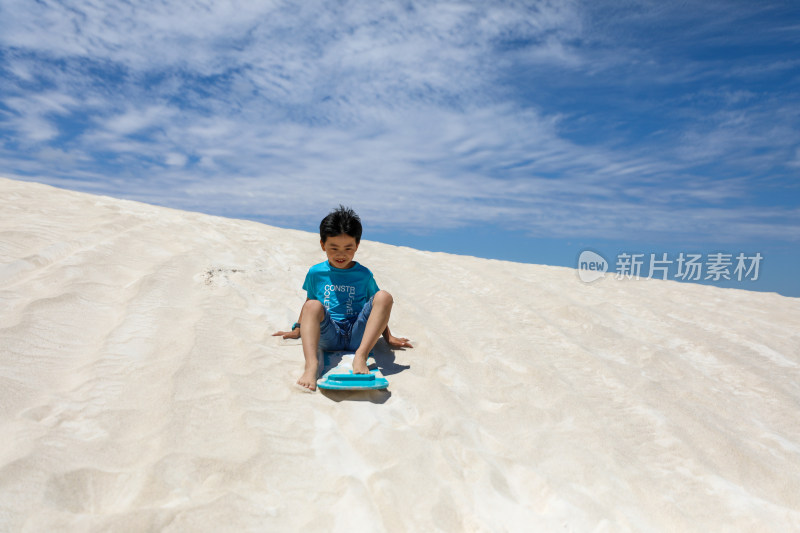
{"points": [[295, 334], [398, 342]]}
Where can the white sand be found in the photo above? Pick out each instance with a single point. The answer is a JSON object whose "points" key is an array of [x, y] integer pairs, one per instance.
{"points": [[141, 389]]}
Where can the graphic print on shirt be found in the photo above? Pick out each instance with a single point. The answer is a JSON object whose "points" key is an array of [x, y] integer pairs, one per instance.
{"points": [[348, 297]]}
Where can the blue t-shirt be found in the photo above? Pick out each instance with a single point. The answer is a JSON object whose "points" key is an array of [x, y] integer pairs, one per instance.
{"points": [[343, 291]]}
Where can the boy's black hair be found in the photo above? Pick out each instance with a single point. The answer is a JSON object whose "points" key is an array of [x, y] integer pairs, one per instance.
{"points": [[341, 220]]}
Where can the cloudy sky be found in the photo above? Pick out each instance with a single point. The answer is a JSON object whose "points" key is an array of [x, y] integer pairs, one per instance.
{"points": [[519, 130]]}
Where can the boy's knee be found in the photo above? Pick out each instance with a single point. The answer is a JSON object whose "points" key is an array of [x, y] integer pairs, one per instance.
{"points": [[382, 298], [314, 308]]}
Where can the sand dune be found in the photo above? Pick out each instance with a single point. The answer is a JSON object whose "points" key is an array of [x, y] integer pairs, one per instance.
{"points": [[141, 389]]}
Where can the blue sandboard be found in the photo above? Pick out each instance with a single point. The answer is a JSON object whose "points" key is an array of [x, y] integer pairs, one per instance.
{"points": [[337, 368]]}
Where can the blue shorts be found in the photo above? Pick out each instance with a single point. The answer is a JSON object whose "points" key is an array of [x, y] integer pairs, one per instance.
{"points": [[335, 335]]}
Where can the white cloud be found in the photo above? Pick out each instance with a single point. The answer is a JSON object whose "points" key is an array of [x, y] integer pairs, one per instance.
{"points": [[36, 129], [174, 159], [134, 120]]}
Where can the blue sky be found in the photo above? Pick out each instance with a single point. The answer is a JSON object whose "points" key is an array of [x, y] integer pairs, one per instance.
{"points": [[516, 130]]}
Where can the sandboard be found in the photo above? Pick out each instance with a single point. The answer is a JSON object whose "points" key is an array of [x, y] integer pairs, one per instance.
{"points": [[337, 373]]}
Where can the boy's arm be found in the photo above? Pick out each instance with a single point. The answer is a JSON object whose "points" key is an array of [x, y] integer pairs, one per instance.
{"points": [[295, 333], [395, 342]]}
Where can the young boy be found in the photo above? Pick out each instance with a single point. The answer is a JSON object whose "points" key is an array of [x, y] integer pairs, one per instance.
{"points": [[344, 309]]}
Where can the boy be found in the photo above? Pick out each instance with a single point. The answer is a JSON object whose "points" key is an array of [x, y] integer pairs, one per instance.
{"points": [[344, 309]]}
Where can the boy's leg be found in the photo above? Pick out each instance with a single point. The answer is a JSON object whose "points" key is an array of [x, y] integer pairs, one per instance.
{"points": [[376, 323], [313, 313]]}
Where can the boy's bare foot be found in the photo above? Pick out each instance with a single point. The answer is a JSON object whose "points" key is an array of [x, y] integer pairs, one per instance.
{"points": [[309, 379], [360, 364]]}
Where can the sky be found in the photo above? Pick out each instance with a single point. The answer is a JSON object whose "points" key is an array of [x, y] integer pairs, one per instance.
{"points": [[527, 131]]}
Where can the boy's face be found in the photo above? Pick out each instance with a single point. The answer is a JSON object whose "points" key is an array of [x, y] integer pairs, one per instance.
{"points": [[340, 250]]}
